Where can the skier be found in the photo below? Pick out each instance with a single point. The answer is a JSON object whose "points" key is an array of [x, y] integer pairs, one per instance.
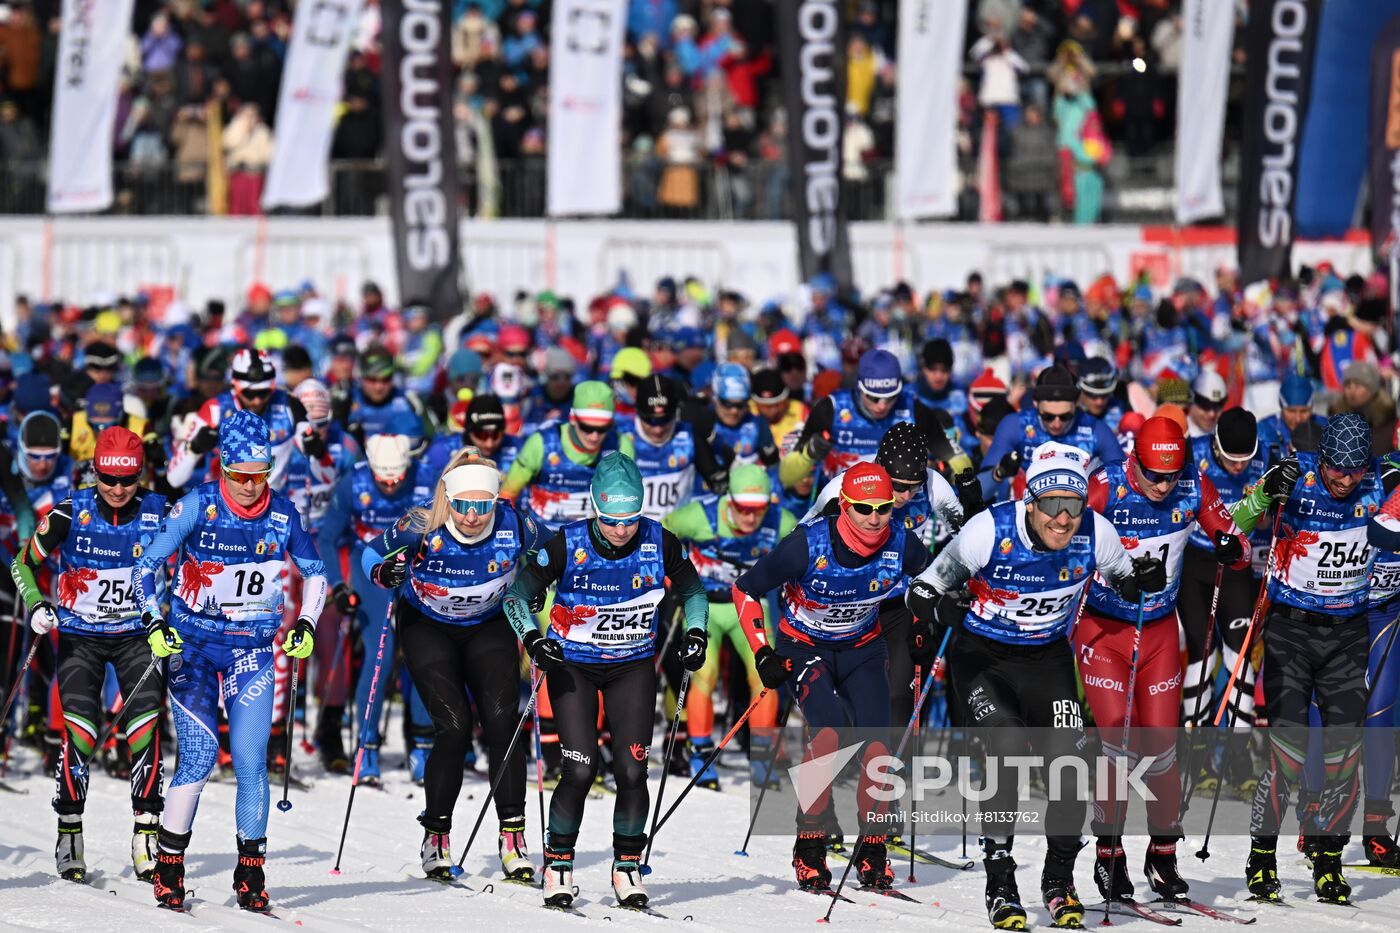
{"points": [[376, 405], [1025, 565], [835, 571], [728, 431], [367, 502], [1157, 499], [1379, 736], [232, 537], [726, 535], [608, 573], [450, 560], [1317, 644], [95, 536], [1295, 399], [663, 446], [1098, 387]]}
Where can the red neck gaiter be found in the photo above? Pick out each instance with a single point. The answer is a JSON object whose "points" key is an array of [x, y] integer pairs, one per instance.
{"points": [[253, 511], [864, 543]]}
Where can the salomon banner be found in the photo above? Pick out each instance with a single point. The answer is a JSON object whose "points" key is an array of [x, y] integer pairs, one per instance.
{"points": [[926, 137], [91, 46], [1385, 138], [307, 101], [1204, 79], [422, 178], [1279, 45], [812, 50], [584, 160]]}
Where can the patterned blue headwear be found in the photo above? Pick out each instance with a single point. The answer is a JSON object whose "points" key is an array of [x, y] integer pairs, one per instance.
{"points": [[244, 438], [1346, 442]]}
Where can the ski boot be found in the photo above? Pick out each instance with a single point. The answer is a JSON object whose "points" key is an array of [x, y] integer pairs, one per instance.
{"points": [[1003, 900], [700, 749], [436, 855], [329, 743], [761, 764], [248, 879], [143, 845], [510, 846], [559, 887], [1057, 889], [68, 853], [679, 765], [809, 858], [1261, 871], [368, 770], [1380, 846], [1111, 870], [169, 881], [1328, 883], [1202, 757], [873, 867], [1160, 867], [627, 871], [418, 763]]}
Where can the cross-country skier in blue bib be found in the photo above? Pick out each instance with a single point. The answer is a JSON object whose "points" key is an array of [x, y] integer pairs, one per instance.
{"points": [[232, 537]]}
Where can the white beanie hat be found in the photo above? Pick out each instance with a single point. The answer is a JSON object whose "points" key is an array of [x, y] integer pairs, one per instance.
{"points": [[388, 456]]}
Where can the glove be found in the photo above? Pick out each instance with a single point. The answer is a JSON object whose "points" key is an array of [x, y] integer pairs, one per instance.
{"points": [[1149, 576], [301, 640], [1279, 481], [43, 618], [718, 481], [536, 603], [163, 639], [390, 573], [312, 444], [963, 598], [969, 492], [344, 598], [1009, 466], [693, 651], [547, 653], [773, 669], [818, 447], [1227, 548], [204, 440], [922, 600], [923, 643]]}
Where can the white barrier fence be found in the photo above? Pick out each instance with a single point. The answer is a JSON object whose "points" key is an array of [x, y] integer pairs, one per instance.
{"points": [[203, 258]]}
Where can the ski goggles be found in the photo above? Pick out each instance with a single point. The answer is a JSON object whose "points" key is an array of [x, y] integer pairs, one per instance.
{"points": [[868, 508], [584, 427], [748, 508], [43, 456], [1056, 418], [1340, 473], [489, 434], [731, 404], [1154, 476], [247, 476], [107, 479], [255, 395], [903, 486], [468, 506], [1052, 506], [613, 521]]}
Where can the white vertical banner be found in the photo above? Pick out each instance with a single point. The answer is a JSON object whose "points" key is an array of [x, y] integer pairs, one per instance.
{"points": [[926, 126], [585, 107], [306, 102], [1203, 82], [91, 45]]}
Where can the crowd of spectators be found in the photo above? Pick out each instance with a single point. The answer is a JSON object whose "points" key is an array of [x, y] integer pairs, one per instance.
{"points": [[703, 116]]}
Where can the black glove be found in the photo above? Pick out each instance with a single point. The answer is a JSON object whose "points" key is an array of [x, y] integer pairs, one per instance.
{"points": [[1149, 576], [718, 481], [536, 603], [344, 598], [1009, 466], [1227, 548], [693, 650], [1279, 481], [390, 573], [204, 440], [923, 642], [547, 653], [818, 447], [773, 669], [922, 600], [969, 490], [312, 444]]}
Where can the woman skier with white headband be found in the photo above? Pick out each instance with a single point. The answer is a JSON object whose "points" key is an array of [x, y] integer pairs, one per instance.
{"points": [[451, 559]]}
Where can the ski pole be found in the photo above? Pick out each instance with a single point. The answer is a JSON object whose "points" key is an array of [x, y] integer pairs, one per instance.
{"points": [[539, 762], [666, 643], [360, 752], [1119, 807], [501, 773], [285, 804], [1195, 717], [918, 735], [666, 766], [19, 679], [127, 697], [713, 756], [767, 773]]}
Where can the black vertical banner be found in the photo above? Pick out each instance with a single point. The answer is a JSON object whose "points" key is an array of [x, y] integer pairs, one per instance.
{"points": [[422, 181], [1280, 44], [1385, 137], [812, 37]]}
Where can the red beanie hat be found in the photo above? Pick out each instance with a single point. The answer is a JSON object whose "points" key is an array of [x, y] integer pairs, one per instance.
{"points": [[1160, 445], [867, 482], [119, 452]]}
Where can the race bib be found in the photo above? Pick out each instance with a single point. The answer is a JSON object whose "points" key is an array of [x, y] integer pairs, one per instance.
{"points": [[560, 507], [235, 591], [615, 626], [664, 493], [97, 595], [462, 602]]}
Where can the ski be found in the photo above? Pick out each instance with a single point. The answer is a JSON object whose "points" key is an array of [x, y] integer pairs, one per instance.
{"points": [[640, 910], [888, 892], [1132, 909], [956, 863], [11, 789], [1187, 907], [828, 892], [1374, 869], [570, 910]]}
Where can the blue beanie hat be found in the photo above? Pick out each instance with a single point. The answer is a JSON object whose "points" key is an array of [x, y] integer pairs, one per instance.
{"points": [[244, 438], [731, 383], [1296, 390], [103, 404], [617, 486], [878, 375]]}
